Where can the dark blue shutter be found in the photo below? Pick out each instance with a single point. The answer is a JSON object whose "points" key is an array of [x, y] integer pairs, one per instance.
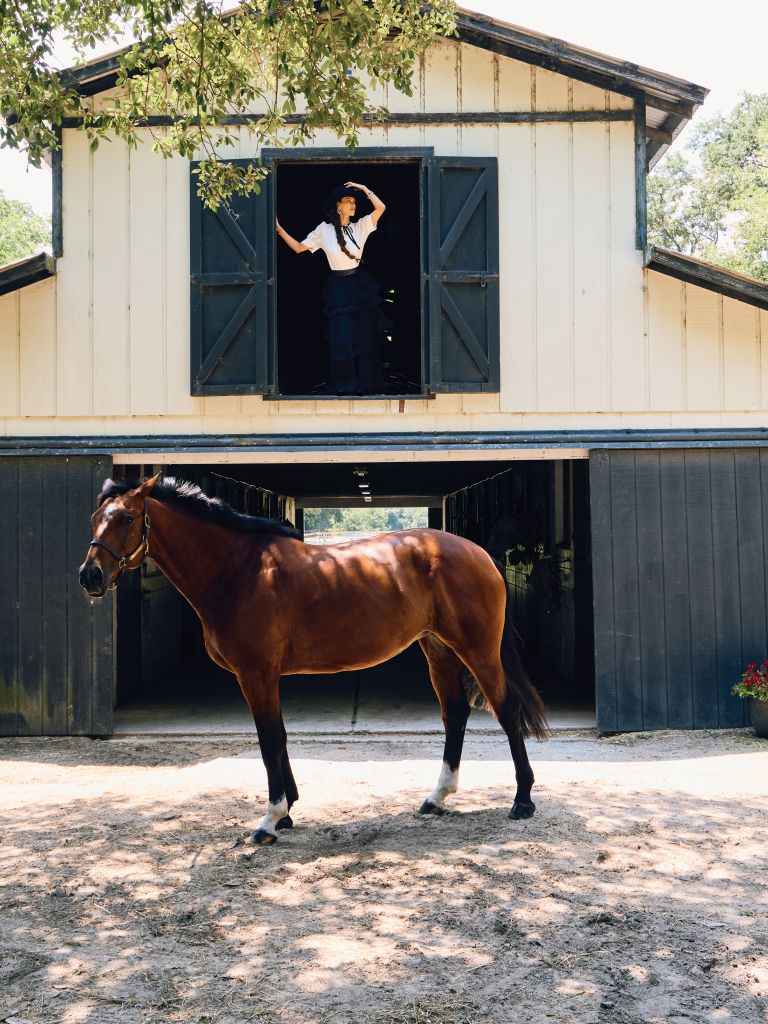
{"points": [[229, 313], [463, 274]]}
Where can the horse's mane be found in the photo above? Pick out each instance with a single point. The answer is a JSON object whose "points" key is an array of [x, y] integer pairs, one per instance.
{"points": [[188, 496]]}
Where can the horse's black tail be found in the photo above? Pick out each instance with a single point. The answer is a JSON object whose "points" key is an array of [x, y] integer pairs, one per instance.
{"points": [[533, 717]]}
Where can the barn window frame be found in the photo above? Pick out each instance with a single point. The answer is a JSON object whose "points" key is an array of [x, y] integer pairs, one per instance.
{"points": [[441, 318]]}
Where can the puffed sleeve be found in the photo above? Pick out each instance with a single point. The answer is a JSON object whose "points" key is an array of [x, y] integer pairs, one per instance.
{"points": [[362, 228], [314, 240]]}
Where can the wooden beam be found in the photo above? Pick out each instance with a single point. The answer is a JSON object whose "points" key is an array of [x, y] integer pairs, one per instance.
{"points": [[641, 177], [418, 119]]}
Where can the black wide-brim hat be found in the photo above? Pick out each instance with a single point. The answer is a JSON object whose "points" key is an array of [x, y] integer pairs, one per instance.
{"points": [[333, 197]]}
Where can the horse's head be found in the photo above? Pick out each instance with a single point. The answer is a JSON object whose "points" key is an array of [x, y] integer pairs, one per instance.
{"points": [[119, 537]]}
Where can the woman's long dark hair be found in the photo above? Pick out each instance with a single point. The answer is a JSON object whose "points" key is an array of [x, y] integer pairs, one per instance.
{"points": [[335, 219]]}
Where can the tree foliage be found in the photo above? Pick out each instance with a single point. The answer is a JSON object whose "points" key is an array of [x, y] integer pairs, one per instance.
{"points": [[344, 520], [712, 201], [298, 63], [22, 231]]}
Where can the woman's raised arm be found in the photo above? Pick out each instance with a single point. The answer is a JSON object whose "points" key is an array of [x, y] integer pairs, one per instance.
{"points": [[289, 240], [378, 206]]}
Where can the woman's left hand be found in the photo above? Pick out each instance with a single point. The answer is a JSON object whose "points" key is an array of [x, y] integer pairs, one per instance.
{"points": [[355, 184]]}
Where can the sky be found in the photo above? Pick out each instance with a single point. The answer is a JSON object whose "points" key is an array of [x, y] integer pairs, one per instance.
{"points": [[724, 52]]}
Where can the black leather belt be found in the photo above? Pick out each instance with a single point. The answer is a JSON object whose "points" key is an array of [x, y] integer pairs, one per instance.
{"points": [[346, 273]]}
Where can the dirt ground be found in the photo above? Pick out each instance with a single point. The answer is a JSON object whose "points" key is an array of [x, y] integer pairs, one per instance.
{"points": [[638, 892]]}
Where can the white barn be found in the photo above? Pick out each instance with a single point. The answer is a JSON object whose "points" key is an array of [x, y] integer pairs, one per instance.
{"points": [[613, 394]]}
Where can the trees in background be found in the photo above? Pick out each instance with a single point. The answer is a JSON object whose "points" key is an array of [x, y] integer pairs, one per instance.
{"points": [[712, 201], [22, 231], [343, 520]]}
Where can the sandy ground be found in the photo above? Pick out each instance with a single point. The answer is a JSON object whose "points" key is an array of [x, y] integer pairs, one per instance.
{"points": [[638, 892]]}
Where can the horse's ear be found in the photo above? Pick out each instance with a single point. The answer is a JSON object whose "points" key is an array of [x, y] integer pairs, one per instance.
{"points": [[106, 488], [143, 490]]}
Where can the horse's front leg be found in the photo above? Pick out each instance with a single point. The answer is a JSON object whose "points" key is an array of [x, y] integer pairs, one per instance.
{"points": [[263, 695]]}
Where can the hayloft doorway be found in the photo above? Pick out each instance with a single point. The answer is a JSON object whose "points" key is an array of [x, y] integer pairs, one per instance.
{"points": [[393, 256]]}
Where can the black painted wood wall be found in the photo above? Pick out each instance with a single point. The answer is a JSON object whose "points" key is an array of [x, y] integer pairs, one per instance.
{"points": [[56, 646], [679, 552]]}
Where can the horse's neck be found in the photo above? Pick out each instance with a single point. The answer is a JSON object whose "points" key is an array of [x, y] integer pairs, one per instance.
{"points": [[190, 552]]}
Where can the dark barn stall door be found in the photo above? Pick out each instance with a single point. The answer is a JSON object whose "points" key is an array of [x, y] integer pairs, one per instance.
{"points": [[680, 557], [56, 662]]}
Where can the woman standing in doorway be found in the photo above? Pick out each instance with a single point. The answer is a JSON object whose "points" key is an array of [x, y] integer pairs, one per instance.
{"points": [[355, 323]]}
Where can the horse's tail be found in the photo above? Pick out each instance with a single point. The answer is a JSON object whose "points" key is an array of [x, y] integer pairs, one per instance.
{"points": [[533, 718]]}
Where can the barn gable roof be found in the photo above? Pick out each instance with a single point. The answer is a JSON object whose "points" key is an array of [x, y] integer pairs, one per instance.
{"points": [[670, 102]]}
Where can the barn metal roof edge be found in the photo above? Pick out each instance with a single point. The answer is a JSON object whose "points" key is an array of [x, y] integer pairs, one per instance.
{"points": [[421, 441], [26, 271], [707, 275]]}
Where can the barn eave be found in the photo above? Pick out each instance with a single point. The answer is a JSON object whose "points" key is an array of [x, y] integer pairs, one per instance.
{"points": [[707, 275], [24, 272]]}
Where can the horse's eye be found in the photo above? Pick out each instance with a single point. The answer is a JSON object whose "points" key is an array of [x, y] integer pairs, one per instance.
{"points": [[130, 519]]}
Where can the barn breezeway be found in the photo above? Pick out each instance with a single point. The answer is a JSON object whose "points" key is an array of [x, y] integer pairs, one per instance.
{"points": [[531, 513]]}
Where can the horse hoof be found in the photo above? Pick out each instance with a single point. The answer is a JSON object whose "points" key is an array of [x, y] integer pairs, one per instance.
{"points": [[521, 810], [286, 822], [429, 808], [263, 838]]}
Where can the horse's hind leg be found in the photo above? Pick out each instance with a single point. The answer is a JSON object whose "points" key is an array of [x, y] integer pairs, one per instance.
{"points": [[490, 676], [263, 695], [447, 674]]}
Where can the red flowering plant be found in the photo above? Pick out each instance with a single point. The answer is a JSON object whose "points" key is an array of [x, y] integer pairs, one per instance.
{"points": [[753, 682]]}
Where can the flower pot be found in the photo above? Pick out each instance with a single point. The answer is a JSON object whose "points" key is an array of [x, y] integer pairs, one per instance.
{"points": [[758, 713]]}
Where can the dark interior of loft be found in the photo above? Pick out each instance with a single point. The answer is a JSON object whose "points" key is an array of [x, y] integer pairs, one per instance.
{"points": [[392, 256]]}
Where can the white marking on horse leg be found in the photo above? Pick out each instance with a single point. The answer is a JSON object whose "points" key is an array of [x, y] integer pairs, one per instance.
{"points": [[447, 783], [274, 813]]}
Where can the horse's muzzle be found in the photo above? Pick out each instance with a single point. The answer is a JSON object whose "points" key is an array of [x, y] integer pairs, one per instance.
{"points": [[92, 579]]}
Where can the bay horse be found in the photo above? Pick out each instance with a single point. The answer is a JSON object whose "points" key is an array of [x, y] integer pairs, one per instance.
{"points": [[271, 605]]}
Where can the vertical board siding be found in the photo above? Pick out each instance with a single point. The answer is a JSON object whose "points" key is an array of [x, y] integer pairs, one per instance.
{"points": [[725, 527], [701, 575], [178, 400], [601, 515], [74, 378], [626, 593], [741, 355], [10, 340], [676, 597], [703, 331], [666, 341], [553, 267], [670, 535], [9, 580], [591, 267], [110, 277], [650, 569], [37, 369], [146, 285], [56, 567], [56, 671], [30, 599]]}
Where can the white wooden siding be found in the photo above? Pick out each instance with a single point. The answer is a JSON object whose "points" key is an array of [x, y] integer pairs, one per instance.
{"points": [[587, 337]]}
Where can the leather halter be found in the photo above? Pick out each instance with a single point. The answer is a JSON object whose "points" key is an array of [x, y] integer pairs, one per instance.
{"points": [[123, 560]]}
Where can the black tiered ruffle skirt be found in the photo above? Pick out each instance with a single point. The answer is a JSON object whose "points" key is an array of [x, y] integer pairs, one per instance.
{"points": [[355, 329]]}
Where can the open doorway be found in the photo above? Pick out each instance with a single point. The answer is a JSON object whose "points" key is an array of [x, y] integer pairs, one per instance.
{"points": [[392, 257], [533, 516]]}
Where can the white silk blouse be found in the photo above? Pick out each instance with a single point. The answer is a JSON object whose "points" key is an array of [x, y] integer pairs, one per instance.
{"points": [[324, 237]]}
